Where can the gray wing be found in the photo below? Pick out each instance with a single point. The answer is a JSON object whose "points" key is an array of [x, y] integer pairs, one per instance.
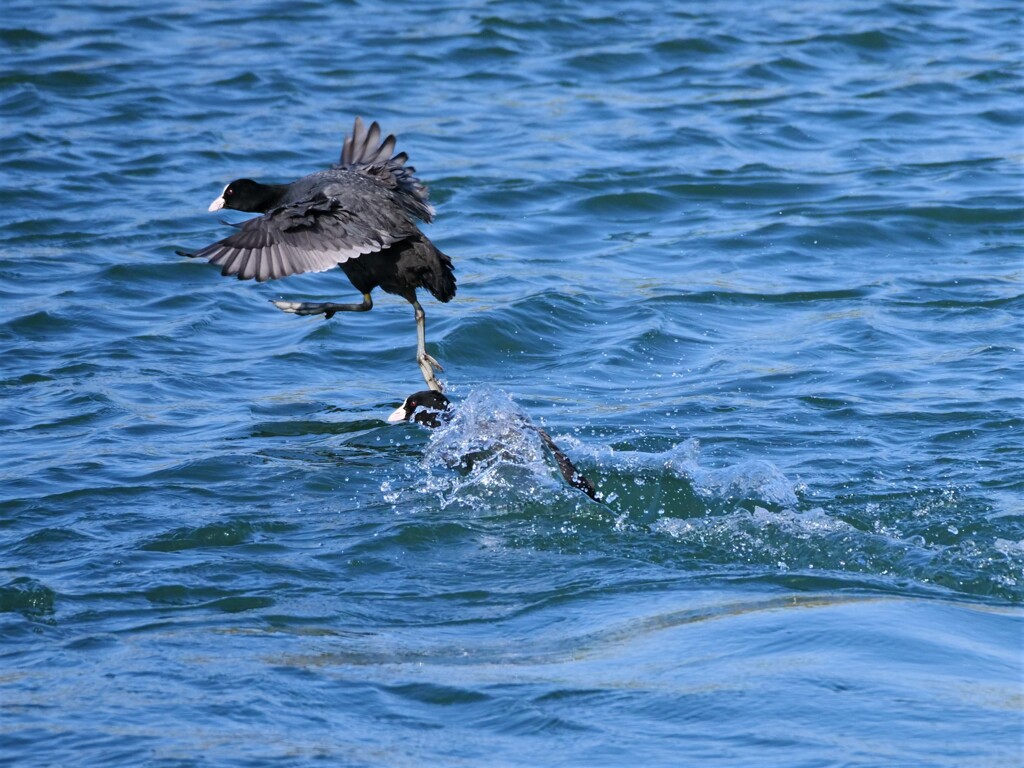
{"points": [[365, 153], [311, 236]]}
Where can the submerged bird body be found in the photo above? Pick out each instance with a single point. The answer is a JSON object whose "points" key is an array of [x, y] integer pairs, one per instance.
{"points": [[360, 215], [432, 409]]}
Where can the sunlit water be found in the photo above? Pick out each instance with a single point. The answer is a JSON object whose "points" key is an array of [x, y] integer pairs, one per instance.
{"points": [[755, 267]]}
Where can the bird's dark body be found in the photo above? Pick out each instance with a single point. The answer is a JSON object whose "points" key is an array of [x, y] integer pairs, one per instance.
{"points": [[359, 214], [402, 268]]}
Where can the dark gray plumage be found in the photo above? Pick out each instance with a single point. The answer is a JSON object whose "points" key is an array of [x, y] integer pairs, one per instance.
{"points": [[359, 214]]}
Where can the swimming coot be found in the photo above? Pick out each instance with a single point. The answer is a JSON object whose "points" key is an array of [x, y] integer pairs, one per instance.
{"points": [[431, 409], [359, 214]]}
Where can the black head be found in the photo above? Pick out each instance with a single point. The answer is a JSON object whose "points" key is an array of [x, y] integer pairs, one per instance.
{"points": [[424, 408], [247, 195]]}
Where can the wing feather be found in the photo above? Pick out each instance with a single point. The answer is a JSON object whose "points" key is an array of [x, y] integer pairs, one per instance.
{"points": [[309, 236], [229, 260], [363, 152]]}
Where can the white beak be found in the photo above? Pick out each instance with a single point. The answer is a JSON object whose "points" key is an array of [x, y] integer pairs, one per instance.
{"points": [[217, 204], [398, 414]]}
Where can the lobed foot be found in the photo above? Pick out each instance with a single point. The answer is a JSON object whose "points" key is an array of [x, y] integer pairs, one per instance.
{"points": [[325, 308], [428, 360], [427, 367]]}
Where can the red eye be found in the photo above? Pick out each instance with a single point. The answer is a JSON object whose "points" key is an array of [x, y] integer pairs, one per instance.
{"points": [[229, 192]]}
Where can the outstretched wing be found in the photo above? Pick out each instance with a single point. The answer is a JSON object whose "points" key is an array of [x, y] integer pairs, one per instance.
{"points": [[365, 153], [310, 236]]}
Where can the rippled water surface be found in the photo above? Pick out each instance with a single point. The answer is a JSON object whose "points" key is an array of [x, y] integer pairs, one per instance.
{"points": [[756, 267]]}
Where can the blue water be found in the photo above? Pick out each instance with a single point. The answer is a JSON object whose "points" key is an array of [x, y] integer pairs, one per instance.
{"points": [[756, 267]]}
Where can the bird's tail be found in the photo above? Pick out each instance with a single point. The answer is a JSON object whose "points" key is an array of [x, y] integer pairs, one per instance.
{"points": [[433, 269], [439, 279], [364, 151]]}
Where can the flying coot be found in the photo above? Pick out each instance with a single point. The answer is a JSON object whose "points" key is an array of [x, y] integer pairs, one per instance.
{"points": [[359, 214], [431, 408]]}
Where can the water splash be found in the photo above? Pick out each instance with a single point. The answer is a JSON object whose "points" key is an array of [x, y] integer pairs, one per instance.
{"points": [[675, 483], [753, 480], [488, 450], [751, 515], [489, 462]]}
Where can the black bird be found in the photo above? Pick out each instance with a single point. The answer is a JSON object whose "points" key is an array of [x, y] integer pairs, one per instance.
{"points": [[359, 214], [431, 408], [427, 408]]}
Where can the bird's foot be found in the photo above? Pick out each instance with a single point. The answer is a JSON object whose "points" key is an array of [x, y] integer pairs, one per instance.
{"points": [[427, 367], [426, 360]]}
